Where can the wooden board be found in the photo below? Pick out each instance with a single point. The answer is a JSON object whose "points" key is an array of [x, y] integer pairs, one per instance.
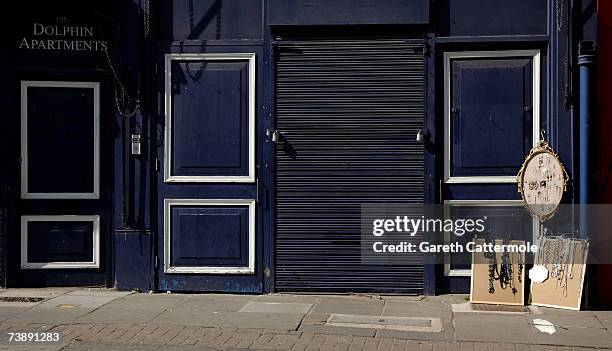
{"points": [[551, 293], [479, 290]]}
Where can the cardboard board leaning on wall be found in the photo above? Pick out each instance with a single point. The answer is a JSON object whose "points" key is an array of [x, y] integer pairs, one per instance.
{"points": [[565, 260], [487, 287]]}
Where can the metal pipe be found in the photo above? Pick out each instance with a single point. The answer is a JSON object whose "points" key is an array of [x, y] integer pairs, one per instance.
{"points": [[586, 64]]}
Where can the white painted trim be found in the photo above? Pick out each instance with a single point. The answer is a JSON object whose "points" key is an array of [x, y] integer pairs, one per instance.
{"points": [[95, 263], [535, 90], [168, 177], [448, 272], [25, 194], [168, 268]]}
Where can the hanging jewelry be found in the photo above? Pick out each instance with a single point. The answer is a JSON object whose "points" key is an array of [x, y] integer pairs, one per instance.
{"points": [[493, 272], [520, 268], [539, 273]]}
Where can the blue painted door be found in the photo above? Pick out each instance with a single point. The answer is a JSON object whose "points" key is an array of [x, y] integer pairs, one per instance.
{"points": [[491, 119], [209, 236], [60, 218]]}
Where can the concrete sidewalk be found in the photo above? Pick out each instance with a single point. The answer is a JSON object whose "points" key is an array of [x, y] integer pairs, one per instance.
{"points": [[99, 319]]}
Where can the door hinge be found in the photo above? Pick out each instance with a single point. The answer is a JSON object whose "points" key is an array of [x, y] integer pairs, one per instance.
{"points": [[156, 165], [156, 261], [256, 191]]}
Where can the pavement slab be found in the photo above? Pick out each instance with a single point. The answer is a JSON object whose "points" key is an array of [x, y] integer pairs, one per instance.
{"points": [[603, 315], [493, 328], [328, 305], [50, 315], [571, 336], [191, 317], [447, 298], [83, 301], [7, 312], [158, 302], [316, 318], [447, 333], [490, 318], [120, 314], [416, 309], [32, 293], [238, 297], [310, 299], [276, 307], [99, 292], [372, 300], [570, 321], [607, 324], [43, 292], [563, 312], [264, 320], [334, 330], [208, 303]]}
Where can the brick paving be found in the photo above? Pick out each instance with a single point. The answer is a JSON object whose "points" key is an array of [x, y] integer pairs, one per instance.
{"points": [[209, 322], [256, 339]]}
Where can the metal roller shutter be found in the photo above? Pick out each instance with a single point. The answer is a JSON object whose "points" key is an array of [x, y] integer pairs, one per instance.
{"points": [[349, 111]]}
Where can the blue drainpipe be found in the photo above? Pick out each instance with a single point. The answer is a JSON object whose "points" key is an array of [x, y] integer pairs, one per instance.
{"points": [[586, 62]]}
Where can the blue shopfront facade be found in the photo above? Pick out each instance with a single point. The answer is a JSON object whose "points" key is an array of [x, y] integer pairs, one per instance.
{"points": [[227, 145]]}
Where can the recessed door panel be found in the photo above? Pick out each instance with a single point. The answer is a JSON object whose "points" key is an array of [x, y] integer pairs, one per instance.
{"points": [[60, 140], [492, 128], [57, 242], [507, 217], [491, 113], [68, 241], [209, 236], [209, 118]]}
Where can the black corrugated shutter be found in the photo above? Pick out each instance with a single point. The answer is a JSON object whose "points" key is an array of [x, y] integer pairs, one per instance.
{"points": [[349, 111]]}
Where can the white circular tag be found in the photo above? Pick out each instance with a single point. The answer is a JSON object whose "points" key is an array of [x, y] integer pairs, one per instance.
{"points": [[538, 274]]}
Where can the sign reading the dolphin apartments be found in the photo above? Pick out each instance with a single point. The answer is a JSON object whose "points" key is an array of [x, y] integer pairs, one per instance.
{"points": [[62, 35]]}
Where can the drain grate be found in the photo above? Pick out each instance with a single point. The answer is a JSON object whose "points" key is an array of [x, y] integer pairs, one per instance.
{"points": [[499, 308], [415, 324], [20, 299]]}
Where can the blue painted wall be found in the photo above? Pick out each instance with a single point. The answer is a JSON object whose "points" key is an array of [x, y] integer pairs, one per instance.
{"points": [[234, 25], [450, 25], [347, 12], [476, 18], [132, 232]]}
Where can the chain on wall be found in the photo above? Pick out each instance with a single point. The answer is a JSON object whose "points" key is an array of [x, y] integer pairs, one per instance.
{"points": [[146, 17], [130, 104], [560, 14], [126, 105]]}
